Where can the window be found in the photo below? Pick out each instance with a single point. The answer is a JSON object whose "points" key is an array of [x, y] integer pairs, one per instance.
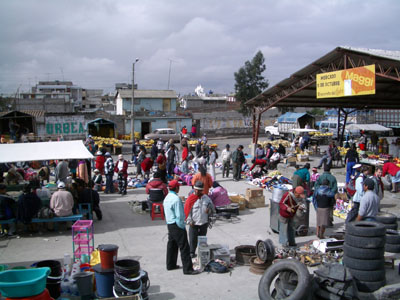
{"points": [[137, 101], [332, 125]]}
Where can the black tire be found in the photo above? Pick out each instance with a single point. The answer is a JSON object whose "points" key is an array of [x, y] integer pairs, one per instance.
{"points": [[392, 248], [376, 275], [386, 218], [303, 284], [391, 226], [365, 228], [369, 286], [364, 264], [392, 237], [364, 242], [362, 253]]}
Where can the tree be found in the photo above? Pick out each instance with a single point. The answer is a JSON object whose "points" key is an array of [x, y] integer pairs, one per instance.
{"points": [[316, 111], [250, 82]]}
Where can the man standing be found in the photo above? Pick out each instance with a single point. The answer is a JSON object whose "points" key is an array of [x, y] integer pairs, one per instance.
{"points": [[365, 171], [62, 171], [237, 160], [172, 159], [378, 188], [177, 238], [226, 160], [288, 206], [194, 130], [332, 186], [369, 204], [109, 172], [121, 168], [198, 208]]}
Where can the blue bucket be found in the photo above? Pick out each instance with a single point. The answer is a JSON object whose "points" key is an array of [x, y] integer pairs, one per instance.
{"points": [[104, 281]]}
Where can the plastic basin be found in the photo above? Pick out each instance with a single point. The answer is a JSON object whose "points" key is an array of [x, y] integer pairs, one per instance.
{"points": [[23, 283]]}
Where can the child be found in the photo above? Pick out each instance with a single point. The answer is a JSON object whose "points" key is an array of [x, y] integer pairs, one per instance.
{"points": [[314, 176]]}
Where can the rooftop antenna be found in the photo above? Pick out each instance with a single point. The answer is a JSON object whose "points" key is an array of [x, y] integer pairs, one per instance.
{"points": [[62, 73]]}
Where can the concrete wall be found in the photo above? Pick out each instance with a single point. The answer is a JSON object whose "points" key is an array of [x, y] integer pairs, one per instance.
{"points": [[159, 123], [48, 105], [148, 104]]}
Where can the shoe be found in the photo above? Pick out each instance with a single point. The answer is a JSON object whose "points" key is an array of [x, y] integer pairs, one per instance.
{"points": [[124, 193], [174, 268], [192, 272]]}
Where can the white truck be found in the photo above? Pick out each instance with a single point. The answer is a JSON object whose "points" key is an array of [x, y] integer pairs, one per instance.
{"points": [[272, 130]]}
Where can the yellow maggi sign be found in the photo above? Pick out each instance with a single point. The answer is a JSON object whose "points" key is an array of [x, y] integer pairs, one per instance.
{"points": [[349, 82]]}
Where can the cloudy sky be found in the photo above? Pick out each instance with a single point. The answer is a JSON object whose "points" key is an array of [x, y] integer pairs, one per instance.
{"points": [[94, 42]]}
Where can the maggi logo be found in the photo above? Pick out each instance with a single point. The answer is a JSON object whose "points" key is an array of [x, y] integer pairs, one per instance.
{"points": [[362, 79]]}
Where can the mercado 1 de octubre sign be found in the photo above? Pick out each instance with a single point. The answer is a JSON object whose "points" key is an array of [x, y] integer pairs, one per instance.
{"points": [[348, 82], [65, 125]]}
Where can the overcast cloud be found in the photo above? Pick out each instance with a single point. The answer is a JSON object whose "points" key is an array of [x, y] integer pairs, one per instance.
{"points": [[94, 42]]}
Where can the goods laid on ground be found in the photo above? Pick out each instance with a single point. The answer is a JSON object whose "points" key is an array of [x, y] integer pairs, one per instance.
{"points": [[364, 254], [239, 199], [243, 254], [101, 142]]}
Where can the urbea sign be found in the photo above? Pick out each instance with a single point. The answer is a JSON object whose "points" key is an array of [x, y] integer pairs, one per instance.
{"points": [[65, 125], [349, 82]]}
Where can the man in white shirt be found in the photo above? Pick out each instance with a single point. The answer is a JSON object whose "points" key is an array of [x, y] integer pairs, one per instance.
{"points": [[226, 160]]}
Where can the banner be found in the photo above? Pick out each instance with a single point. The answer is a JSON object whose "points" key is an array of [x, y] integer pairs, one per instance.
{"points": [[349, 82]]}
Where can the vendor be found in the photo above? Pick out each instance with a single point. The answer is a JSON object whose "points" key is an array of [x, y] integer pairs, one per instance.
{"points": [[393, 171], [219, 195], [288, 206], [301, 177], [13, 177], [369, 204]]}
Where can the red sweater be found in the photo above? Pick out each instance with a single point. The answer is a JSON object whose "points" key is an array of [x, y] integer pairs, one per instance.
{"points": [[146, 164], [390, 168], [124, 168], [287, 201], [100, 160], [156, 183], [184, 153]]}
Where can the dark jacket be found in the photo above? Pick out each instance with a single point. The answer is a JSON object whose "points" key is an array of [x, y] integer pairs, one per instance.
{"points": [[238, 157], [28, 207]]}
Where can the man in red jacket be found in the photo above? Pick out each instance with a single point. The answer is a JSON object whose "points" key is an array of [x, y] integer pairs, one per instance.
{"points": [[394, 172], [121, 168], [288, 206]]}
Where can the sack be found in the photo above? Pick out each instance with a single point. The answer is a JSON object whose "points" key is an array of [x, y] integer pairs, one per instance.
{"points": [[46, 213], [216, 267]]}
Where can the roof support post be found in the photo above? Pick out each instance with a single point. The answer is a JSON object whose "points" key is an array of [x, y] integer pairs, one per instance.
{"points": [[256, 124]]}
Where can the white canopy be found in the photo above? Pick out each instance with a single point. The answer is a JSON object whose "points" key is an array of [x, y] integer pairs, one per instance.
{"points": [[298, 130], [43, 151], [367, 127]]}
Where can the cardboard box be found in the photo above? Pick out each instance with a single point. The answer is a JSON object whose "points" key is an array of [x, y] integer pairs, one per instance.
{"points": [[302, 157], [255, 202], [239, 199], [203, 254], [254, 192]]}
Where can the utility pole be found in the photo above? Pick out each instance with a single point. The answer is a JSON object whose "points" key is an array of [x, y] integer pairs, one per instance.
{"points": [[169, 72], [133, 100]]}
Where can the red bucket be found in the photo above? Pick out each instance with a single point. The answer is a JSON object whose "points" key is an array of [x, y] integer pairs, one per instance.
{"points": [[108, 255]]}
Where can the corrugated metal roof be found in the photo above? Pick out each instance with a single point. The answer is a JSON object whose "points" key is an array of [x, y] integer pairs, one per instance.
{"points": [[290, 117], [148, 94], [395, 55], [33, 113]]}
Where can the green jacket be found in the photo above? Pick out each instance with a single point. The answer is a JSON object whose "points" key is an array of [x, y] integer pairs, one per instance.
{"points": [[238, 157], [332, 181]]}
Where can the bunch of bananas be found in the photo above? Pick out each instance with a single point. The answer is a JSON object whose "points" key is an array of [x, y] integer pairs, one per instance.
{"points": [[193, 142], [100, 141], [275, 143], [342, 150], [320, 134], [146, 143]]}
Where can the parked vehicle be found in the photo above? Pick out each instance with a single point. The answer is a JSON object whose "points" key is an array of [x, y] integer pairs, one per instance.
{"points": [[272, 130], [165, 134]]}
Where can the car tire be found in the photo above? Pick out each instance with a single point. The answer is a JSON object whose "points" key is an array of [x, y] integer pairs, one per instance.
{"points": [[369, 286], [303, 284], [373, 275], [393, 226], [392, 237], [364, 242], [365, 228], [392, 248], [362, 253], [364, 264], [386, 218]]}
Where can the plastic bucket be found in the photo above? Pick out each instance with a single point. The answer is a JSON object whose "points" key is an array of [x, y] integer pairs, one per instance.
{"points": [[84, 281], [108, 255], [43, 296], [127, 277], [23, 283], [54, 279], [104, 281]]}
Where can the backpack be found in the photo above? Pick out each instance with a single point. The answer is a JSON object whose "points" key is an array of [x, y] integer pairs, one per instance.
{"points": [[216, 267], [46, 213]]}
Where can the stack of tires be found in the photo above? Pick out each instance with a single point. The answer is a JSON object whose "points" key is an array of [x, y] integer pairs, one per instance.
{"points": [[392, 241], [364, 248], [387, 219]]}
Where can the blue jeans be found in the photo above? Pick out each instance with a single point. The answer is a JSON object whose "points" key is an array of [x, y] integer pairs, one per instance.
{"points": [[286, 231], [349, 170], [326, 158], [109, 183]]}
